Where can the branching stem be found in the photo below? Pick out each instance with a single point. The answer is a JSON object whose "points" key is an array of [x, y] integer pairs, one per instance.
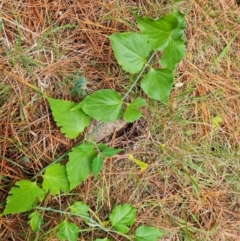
{"points": [[139, 76], [100, 125], [92, 223]]}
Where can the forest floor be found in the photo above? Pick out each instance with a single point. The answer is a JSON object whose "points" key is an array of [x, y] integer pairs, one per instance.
{"points": [[191, 188]]}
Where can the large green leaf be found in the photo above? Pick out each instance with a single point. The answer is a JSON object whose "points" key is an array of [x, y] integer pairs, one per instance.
{"points": [[81, 208], [131, 50], [103, 105], [23, 197], [79, 165], [55, 179], [145, 233], [35, 221], [67, 230], [72, 123], [122, 216], [157, 84], [173, 53], [132, 113], [157, 31], [97, 163]]}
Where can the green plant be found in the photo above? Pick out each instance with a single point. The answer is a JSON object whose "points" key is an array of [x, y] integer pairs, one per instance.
{"points": [[120, 220], [135, 52]]}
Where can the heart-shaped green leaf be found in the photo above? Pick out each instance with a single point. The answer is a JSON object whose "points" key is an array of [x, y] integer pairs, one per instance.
{"points": [[131, 50], [172, 54], [81, 209], [145, 233], [132, 114], [67, 231], [157, 31], [157, 84], [122, 216], [103, 105], [35, 220]]}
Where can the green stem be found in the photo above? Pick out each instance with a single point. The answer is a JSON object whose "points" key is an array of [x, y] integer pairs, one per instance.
{"points": [[97, 127], [92, 223], [139, 76]]}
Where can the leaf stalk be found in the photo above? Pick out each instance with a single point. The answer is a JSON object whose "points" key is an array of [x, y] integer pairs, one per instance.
{"points": [[140, 75]]}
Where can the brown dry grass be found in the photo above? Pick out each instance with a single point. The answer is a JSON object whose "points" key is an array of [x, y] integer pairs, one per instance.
{"points": [[191, 188]]}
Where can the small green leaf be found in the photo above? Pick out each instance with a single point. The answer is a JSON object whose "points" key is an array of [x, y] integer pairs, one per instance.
{"points": [[103, 105], [157, 31], [145, 233], [138, 102], [87, 146], [55, 179], [178, 32], [79, 165], [97, 163], [131, 50], [172, 54], [101, 146], [72, 123], [109, 152], [67, 230], [23, 197], [141, 164], [216, 121], [82, 209], [132, 113], [157, 84], [122, 216], [35, 221]]}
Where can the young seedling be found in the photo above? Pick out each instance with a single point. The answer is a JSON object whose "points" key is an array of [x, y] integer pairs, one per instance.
{"points": [[135, 53]]}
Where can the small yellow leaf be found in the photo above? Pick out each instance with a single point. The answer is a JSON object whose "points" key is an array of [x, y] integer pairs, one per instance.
{"points": [[105, 223], [216, 121], [141, 164], [163, 147]]}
